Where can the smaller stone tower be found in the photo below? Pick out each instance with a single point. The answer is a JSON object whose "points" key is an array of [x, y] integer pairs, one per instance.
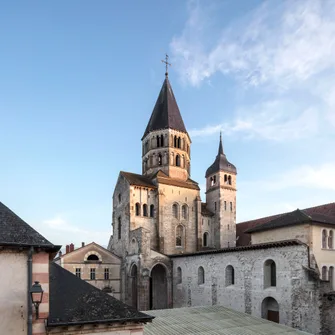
{"points": [[221, 199]]}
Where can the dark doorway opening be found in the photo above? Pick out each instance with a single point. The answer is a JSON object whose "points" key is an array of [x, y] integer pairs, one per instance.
{"points": [[158, 288]]}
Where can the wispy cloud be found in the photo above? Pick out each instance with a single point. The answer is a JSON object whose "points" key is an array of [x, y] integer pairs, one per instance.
{"points": [[285, 49], [307, 176], [59, 231], [290, 41], [272, 120]]}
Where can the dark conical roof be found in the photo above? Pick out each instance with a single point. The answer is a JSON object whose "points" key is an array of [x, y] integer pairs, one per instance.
{"points": [[221, 163], [166, 113]]}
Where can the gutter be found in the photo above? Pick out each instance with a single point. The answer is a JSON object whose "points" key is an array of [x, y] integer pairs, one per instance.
{"points": [[30, 276]]}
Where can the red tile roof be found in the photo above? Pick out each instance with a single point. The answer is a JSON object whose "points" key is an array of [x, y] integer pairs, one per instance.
{"points": [[245, 239]]}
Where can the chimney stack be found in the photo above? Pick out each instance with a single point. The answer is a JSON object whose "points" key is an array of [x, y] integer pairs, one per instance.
{"points": [[82, 244], [71, 247], [67, 249]]}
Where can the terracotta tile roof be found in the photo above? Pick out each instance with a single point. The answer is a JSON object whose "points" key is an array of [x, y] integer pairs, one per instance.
{"points": [[166, 112], [138, 179], [16, 232], [293, 218], [189, 183], [279, 244], [73, 301], [205, 211], [245, 239]]}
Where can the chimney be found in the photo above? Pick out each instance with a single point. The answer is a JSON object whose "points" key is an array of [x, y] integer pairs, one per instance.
{"points": [[82, 244], [71, 247], [67, 249]]}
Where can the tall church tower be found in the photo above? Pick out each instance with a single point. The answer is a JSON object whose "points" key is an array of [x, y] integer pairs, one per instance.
{"points": [[166, 143], [221, 199]]}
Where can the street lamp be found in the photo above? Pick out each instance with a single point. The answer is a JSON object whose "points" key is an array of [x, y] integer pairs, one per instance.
{"points": [[36, 294]]}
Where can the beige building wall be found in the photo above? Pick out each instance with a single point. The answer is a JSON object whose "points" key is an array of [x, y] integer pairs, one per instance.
{"points": [[298, 232], [325, 257], [13, 293], [78, 259]]}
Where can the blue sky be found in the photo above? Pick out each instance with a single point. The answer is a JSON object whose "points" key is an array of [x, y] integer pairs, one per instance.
{"points": [[79, 79]]}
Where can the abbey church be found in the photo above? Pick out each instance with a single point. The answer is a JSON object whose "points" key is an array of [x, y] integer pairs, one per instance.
{"points": [[178, 251]]}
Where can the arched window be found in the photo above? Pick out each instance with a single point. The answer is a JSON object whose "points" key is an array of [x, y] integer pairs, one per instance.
{"points": [[324, 238], [229, 180], [331, 277], [160, 159], [184, 212], [324, 273], [178, 142], [119, 227], [175, 210], [162, 141], [145, 210], [179, 236], [179, 275], [205, 241], [157, 141], [177, 160], [225, 178], [201, 275], [331, 240], [137, 209], [94, 258], [152, 208], [175, 142], [270, 276], [230, 275]]}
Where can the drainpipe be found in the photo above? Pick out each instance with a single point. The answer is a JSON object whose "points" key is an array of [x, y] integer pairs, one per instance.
{"points": [[30, 275]]}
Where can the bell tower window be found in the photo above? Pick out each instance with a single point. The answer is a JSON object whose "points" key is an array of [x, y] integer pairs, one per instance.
{"points": [[159, 159], [177, 160]]}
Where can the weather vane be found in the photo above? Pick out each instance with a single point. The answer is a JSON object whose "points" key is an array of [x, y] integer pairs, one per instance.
{"points": [[167, 64]]}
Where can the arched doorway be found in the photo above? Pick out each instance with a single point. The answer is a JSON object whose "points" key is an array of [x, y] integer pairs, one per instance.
{"points": [[158, 287], [133, 279], [270, 309]]}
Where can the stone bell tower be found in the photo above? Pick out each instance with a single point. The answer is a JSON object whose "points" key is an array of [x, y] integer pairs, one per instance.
{"points": [[166, 143], [221, 199]]}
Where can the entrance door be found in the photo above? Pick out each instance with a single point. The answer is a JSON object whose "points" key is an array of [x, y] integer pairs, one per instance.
{"points": [[273, 316], [158, 288], [133, 276]]}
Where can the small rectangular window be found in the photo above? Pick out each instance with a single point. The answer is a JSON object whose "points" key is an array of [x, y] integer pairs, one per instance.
{"points": [[225, 205], [215, 206], [78, 272], [231, 206], [106, 274], [92, 274]]}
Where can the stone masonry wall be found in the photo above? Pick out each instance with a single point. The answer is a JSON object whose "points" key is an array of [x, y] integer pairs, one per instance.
{"points": [[298, 298]]}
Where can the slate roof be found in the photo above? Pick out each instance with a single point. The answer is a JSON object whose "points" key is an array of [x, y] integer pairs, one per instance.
{"points": [[293, 218], [138, 179], [245, 239], [166, 112], [279, 244], [74, 302], [221, 163], [205, 211], [16, 232], [215, 320]]}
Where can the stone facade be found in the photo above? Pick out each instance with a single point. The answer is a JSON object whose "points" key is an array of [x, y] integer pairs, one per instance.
{"points": [[178, 251], [297, 294], [94, 264]]}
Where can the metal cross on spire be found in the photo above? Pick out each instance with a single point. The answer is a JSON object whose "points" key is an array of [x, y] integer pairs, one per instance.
{"points": [[167, 64]]}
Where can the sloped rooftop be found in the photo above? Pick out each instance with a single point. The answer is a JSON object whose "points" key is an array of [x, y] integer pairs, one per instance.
{"points": [[212, 320], [16, 232], [73, 301]]}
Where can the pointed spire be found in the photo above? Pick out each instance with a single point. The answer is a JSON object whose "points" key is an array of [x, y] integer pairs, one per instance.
{"points": [[220, 145], [166, 112]]}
